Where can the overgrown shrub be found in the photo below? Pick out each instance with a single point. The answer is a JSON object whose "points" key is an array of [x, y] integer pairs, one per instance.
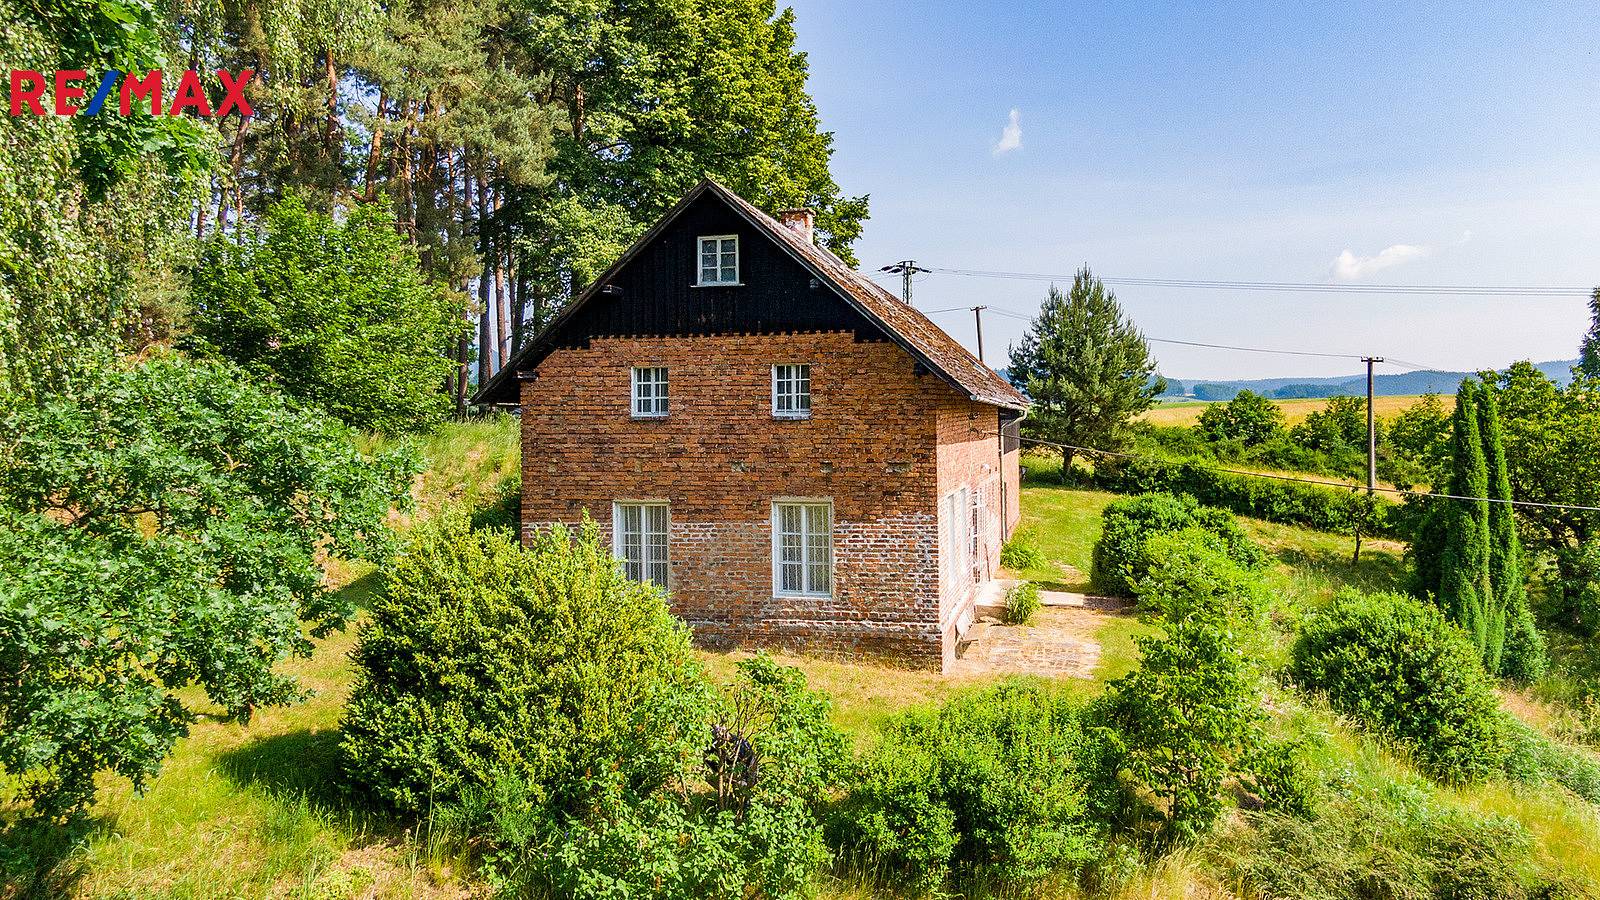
{"points": [[1022, 552], [1398, 668], [1022, 602], [987, 785], [755, 833], [483, 661], [1324, 507], [1191, 569], [1118, 560], [1185, 720]]}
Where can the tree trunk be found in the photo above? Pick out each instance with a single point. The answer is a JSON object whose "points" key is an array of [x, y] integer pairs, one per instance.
{"points": [[503, 342], [486, 354], [332, 125], [376, 152]]}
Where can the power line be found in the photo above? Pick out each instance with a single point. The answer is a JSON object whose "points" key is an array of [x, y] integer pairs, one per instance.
{"points": [[1351, 487], [1291, 286], [1355, 356]]}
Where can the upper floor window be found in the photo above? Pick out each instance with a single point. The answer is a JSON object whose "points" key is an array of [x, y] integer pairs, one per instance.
{"points": [[719, 259], [791, 391], [802, 548], [649, 391], [639, 540]]}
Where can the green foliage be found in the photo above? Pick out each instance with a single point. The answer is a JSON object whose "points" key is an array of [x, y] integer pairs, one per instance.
{"points": [[163, 530], [1325, 508], [1086, 369], [1589, 350], [1022, 552], [1421, 434], [1022, 602], [1522, 657], [1248, 418], [1468, 555], [1397, 667], [336, 314], [990, 784], [1552, 449], [1342, 423], [482, 660], [665, 839], [1186, 719], [1465, 592], [1190, 570], [1128, 522], [94, 210], [1283, 778]]}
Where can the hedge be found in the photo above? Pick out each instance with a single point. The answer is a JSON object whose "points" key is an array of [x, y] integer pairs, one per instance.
{"points": [[1324, 507]]}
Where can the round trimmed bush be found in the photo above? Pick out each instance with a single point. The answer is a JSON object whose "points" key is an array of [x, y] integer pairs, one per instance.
{"points": [[1118, 560], [483, 661], [1396, 666]]}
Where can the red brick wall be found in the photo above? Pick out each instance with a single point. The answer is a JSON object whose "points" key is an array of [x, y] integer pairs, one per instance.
{"points": [[969, 457], [720, 458]]}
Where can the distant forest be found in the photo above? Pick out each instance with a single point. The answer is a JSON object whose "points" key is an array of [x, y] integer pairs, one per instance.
{"points": [[1400, 385]]}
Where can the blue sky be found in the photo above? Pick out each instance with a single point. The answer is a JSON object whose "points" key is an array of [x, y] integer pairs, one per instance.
{"points": [[1439, 144]]}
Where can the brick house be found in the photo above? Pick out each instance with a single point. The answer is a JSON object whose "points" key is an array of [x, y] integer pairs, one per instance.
{"points": [[800, 458]]}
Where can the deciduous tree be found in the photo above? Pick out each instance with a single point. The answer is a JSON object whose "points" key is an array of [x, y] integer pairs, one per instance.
{"points": [[162, 531], [337, 315]]}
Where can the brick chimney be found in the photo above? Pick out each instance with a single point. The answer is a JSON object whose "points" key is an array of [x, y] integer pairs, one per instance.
{"points": [[802, 221]]}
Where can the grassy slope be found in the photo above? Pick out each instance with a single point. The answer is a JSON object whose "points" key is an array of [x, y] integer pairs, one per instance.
{"points": [[252, 810]]}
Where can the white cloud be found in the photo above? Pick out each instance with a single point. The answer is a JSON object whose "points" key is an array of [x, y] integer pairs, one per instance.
{"points": [[1349, 267], [1010, 138]]}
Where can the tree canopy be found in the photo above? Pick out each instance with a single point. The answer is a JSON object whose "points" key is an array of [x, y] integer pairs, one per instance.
{"points": [[335, 314], [1087, 369], [159, 531]]}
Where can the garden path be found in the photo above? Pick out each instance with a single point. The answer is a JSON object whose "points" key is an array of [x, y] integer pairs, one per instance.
{"points": [[1058, 642]]}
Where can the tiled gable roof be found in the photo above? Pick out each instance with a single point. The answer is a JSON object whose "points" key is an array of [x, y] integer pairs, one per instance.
{"points": [[904, 324]]}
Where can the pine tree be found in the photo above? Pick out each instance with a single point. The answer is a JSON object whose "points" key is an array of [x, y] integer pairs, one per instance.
{"points": [[1589, 350], [1523, 657], [1465, 591], [1087, 369]]}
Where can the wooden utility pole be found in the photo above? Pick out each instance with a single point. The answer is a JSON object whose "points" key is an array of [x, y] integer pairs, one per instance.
{"points": [[1372, 430], [977, 314], [1372, 453]]}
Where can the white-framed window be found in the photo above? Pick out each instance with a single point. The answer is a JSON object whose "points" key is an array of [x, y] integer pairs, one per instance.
{"points": [[791, 391], [649, 391], [802, 548], [719, 259], [977, 527], [639, 539], [960, 528]]}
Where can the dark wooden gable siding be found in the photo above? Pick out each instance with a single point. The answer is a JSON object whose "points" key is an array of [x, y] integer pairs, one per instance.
{"points": [[659, 298]]}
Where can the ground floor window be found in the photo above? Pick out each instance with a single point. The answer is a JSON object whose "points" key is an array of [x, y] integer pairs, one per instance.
{"points": [[639, 540], [802, 548]]}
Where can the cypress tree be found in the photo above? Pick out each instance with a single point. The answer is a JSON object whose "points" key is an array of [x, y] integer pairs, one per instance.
{"points": [[1523, 657], [1465, 591]]}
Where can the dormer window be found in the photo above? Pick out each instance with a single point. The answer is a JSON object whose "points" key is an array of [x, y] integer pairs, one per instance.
{"points": [[719, 259]]}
